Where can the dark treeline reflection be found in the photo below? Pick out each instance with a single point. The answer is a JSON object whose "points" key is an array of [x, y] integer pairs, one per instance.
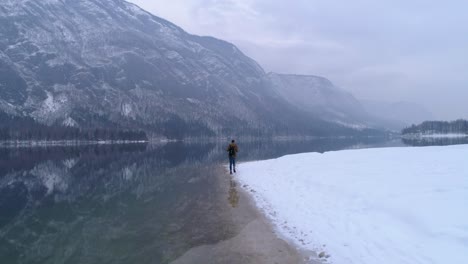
{"points": [[122, 203], [106, 204]]}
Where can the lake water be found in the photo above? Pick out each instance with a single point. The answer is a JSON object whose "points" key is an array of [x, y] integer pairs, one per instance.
{"points": [[125, 203]]}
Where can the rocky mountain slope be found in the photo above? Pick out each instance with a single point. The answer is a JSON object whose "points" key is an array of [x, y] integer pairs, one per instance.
{"points": [[94, 63]]}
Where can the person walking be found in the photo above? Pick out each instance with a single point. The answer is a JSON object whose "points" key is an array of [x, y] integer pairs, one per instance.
{"points": [[232, 150]]}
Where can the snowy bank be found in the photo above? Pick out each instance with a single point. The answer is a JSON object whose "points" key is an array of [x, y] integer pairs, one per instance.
{"points": [[389, 205], [451, 135]]}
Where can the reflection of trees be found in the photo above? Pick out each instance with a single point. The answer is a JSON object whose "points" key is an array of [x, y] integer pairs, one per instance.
{"points": [[122, 207]]}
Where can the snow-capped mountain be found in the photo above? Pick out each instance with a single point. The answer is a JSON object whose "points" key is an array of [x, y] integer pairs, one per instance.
{"points": [[88, 63]]}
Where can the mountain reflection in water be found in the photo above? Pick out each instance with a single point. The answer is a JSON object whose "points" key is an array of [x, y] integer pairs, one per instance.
{"points": [[123, 203]]}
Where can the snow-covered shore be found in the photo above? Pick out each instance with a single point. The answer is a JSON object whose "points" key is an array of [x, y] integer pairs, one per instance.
{"points": [[429, 136], [389, 205]]}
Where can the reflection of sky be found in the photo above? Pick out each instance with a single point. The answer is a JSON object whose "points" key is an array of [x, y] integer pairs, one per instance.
{"points": [[381, 50]]}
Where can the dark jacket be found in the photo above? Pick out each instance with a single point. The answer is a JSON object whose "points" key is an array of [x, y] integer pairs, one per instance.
{"points": [[236, 149]]}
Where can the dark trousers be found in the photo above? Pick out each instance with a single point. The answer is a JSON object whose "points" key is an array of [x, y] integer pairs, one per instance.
{"points": [[232, 163]]}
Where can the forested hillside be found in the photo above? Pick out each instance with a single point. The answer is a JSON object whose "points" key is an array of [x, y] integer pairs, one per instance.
{"points": [[25, 128]]}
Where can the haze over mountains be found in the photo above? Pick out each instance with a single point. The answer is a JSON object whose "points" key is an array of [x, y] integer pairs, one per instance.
{"points": [[401, 113], [108, 63], [319, 96]]}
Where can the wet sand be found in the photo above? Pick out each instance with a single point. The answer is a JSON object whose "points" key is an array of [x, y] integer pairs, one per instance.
{"points": [[254, 240]]}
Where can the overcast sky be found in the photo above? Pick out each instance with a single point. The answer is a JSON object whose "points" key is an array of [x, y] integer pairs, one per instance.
{"points": [[387, 50]]}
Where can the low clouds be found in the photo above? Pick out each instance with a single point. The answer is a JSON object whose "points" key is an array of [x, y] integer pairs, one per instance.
{"points": [[382, 50]]}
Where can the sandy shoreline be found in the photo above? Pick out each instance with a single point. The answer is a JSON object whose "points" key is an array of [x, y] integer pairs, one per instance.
{"points": [[255, 241]]}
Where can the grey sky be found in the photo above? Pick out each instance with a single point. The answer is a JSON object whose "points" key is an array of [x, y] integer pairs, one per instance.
{"points": [[388, 50]]}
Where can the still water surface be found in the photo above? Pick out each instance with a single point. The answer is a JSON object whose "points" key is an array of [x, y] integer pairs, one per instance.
{"points": [[124, 203]]}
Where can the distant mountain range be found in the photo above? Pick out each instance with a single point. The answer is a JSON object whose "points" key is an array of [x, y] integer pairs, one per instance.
{"points": [[110, 64]]}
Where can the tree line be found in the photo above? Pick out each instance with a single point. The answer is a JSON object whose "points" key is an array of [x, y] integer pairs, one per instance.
{"points": [[24, 128], [438, 127], [18, 128]]}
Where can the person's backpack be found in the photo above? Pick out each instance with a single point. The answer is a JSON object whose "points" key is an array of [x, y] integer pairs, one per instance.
{"points": [[232, 151]]}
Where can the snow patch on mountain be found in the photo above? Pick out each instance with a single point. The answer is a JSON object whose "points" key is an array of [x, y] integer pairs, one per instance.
{"points": [[70, 122], [7, 107], [52, 108], [126, 109], [356, 126], [193, 100], [173, 55]]}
